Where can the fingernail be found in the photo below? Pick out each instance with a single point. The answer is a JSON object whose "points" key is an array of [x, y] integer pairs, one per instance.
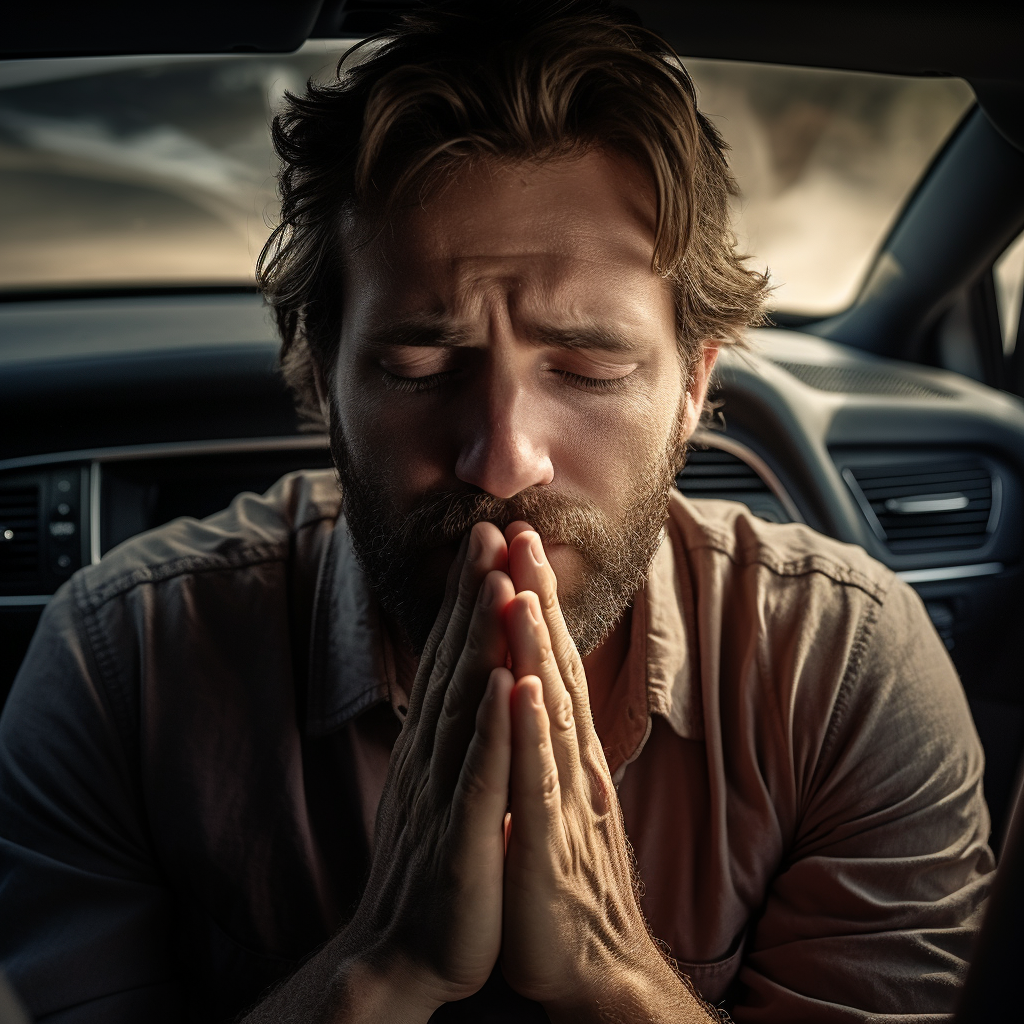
{"points": [[534, 609], [475, 546], [486, 598], [537, 551]]}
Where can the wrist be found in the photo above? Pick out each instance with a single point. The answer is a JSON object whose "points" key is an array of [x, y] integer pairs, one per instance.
{"points": [[641, 986], [381, 984]]}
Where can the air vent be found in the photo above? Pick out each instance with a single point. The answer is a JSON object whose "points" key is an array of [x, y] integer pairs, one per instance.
{"points": [[933, 506], [19, 532], [854, 380], [713, 473]]}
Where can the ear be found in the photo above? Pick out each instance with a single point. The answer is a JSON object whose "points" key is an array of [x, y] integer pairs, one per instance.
{"points": [[698, 388]]}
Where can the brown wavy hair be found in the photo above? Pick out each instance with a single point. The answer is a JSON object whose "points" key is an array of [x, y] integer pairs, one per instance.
{"points": [[514, 81]]}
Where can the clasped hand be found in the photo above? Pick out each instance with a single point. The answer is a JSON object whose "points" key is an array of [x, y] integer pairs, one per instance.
{"points": [[457, 881]]}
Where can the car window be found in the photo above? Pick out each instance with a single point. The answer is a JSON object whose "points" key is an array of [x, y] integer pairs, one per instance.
{"points": [[158, 171], [825, 161], [1008, 273]]}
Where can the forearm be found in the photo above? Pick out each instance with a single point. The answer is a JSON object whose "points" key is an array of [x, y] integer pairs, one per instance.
{"points": [[343, 985], [652, 993]]}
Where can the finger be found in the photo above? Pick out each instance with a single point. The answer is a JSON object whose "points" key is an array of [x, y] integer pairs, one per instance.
{"points": [[530, 570], [534, 787], [481, 794], [531, 655], [444, 614], [486, 551], [514, 529], [485, 649]]}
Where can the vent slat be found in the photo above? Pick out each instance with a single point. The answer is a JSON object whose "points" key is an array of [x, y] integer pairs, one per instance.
{"points": [[721, 470], [895, 532], [921, 469], [899, 487], [946, 530], [979, 506], [712, 472], [703, 474]]}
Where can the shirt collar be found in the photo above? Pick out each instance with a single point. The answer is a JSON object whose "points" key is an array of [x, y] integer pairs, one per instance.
{"points": [[352, 665], [348, 662], [673, 689]]}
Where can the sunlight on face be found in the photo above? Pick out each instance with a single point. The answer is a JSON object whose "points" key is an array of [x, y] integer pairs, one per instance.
{"points": [[509, 338]]}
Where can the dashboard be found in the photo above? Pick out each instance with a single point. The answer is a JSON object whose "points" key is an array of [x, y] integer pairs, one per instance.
{"points": [[120, 413]]}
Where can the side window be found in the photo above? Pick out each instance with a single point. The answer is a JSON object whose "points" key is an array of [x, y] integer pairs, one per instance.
{"points": [[1008, 275], [979, 335]]}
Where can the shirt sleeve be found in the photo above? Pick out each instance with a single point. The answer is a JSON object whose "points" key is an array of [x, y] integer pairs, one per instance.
{"points": [[872, 915], [85, 915]]}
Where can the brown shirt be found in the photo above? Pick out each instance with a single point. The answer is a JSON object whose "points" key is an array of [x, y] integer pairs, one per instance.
{"points": [[191, 758]]}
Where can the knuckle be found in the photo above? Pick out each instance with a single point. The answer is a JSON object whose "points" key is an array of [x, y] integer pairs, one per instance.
{"points": [[469, 584], [452, 700], [474, 789], [473, 785], [577, 680], [547, 657], [443, 663], [483, 722], [562, 712], [549, 786], [473, 648]]}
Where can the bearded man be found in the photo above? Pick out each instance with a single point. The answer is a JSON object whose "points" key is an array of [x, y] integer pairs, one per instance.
{"points": [[276, 748]]}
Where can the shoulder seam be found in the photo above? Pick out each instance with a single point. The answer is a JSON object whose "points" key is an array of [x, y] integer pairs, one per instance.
{"points": [[806, 565], [257, 554], [96, 596]]}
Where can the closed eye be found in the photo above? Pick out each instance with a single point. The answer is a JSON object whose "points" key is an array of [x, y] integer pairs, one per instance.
{"points": [[577, 380], [396, 382], [431, 381]]}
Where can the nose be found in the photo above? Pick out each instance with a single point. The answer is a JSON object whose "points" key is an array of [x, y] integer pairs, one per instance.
{"points": [[504, 448]]}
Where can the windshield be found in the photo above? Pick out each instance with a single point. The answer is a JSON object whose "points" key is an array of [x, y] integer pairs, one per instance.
{"points": [[158, 171]]}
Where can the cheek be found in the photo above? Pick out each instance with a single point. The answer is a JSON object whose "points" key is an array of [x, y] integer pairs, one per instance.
{"points": [[606, 445], [387, 436]]}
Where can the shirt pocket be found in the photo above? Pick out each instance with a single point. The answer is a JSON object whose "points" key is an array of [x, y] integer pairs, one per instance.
{"points": [[712, 978]]}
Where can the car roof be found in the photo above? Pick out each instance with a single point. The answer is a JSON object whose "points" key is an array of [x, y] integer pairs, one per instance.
{"points": [[979, 40]]}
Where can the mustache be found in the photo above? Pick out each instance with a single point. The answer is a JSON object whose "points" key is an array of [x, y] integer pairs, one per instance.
{"points": [[442, 518]]}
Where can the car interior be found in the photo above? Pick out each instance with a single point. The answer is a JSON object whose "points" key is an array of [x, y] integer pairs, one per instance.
{"points": [[886, 411]]}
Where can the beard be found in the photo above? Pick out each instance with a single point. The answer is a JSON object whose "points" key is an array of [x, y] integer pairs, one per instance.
{"points": [[398, 549]]}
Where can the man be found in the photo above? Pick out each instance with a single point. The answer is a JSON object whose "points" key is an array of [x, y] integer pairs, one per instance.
{"points": [[278, 749]]}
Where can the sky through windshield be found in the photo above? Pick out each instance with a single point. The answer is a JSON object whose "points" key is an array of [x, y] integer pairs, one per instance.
{"points": [[158, 171]]}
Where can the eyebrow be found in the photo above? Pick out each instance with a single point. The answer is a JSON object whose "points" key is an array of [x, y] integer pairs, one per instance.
{"points": [[439, 332], [583, 336], [427, 331]]}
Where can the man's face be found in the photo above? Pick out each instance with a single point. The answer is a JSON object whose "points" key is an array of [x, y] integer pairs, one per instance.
{"points": [[507, 353]]}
